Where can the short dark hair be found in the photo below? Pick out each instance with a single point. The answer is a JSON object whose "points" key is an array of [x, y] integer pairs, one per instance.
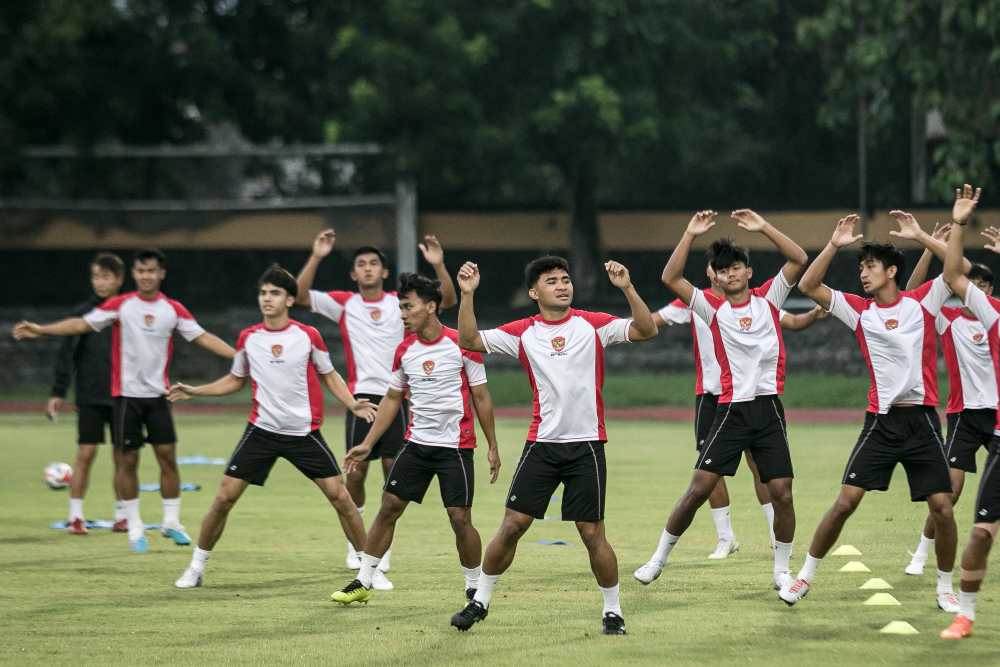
{"points": [[370, 250], [540, 265], [425, 288], [981, 272], [279, 277], [723, 253], [146, 254], [887, 254], [109, 262]]}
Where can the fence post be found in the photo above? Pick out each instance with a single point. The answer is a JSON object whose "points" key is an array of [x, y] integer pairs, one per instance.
{"points": [[406, 224]]}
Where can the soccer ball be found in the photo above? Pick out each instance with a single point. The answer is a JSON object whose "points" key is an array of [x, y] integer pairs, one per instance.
{"points": [[58, 475]]}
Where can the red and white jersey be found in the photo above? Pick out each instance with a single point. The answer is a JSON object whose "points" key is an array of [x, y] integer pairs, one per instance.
{"points": [[565, 364], [747, 339], [898, 341], [370, 331], [972, 378], [142, 341], [987, 311], [438, 374], [284, 366]]}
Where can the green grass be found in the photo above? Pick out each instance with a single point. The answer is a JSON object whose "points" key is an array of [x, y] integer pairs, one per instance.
{"points": [[802, 390], [86, 600]]}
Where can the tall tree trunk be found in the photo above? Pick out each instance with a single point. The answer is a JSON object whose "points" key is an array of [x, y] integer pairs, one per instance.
{"points": [[584, 235]]}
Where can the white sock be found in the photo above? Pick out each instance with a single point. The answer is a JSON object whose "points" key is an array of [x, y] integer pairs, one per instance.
{"points": [[808, 571], [944, 582], [666, 545], [484, 588], [723, 523], [172, 512], [782, 556], [361, 510], [923, 548], [119, 510], [612, 603], [199, 558], [768, 509], [367, 571], [136, 528], [384, 565], [75, 508], [967, 602], [472, 575]]}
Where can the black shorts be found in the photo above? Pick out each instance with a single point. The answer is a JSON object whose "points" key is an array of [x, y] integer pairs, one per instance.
{"points": [[392, 440], [757, 426], [258, 449], [141, 420], [988, 498], [90, 421], [704, 414], [416, 465], [579, 466], [969, 430], [910, 435]]}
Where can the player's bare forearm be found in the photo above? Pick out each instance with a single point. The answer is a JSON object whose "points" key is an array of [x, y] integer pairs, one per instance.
{"points": [[482, 401], [388, 411], [954, 271], [673, 272], [811, 283], [305, 280], [71, 326], [643, 327], [225, 385], [796, 258], [338, 388], [940, 249], [802, 321], [920, 271], [468, 328], [448, 295], [215, 345]]}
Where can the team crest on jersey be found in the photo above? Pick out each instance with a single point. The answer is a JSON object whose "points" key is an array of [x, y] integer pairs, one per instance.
{"points": [[558, 343], [428, 367], [978, 337], [376, 314], [276, 350], [745, 323], [148, 319], [891, 324]]}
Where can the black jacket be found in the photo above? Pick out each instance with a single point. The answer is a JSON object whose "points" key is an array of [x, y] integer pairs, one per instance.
{"points": [[89, 358]]}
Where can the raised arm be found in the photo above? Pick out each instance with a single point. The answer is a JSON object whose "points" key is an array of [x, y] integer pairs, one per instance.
{"points": [[993, 234], [910, 229], [954, 271], [483, 403], [225, 385], [215, 345], [811, 283], [468, 329], [802, 321], [362, 408], [388, 410], [642, 326], [919, 274], [434, 254], [71, 326], [673, 272], [322, 246], [795, 256]]}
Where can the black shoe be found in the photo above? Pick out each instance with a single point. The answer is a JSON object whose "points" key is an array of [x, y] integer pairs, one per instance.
{"points": [[614, 624], [473, 613], [470, 593]]}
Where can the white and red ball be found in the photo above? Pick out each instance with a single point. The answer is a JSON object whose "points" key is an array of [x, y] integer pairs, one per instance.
{"points": [[58, 475]]}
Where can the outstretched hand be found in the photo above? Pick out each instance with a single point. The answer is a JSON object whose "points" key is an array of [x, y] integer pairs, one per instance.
{"points": [[843, 234], [365, 409], [618, 274], [993, 234], [180, 392], [941, 232], [432, 250], [965, 203], [748, 220], [324, 242], [355, 457], [909, 228], [25, 330], [468, 278], [701, 222]]}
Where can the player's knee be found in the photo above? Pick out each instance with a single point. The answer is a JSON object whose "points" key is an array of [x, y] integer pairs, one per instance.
{"points": [[591, 534], [781, 495], [459, 518], [511, 531], [981, 539], [843, 507], [942, 510], [223, 503]]}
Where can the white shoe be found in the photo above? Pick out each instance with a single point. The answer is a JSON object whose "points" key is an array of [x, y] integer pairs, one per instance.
{"points": [[948, 602], [380, 582], [783, 580], [353, 560], [190, 579], [649, 572], [916, 566], [794, 592], [724, 549], [384, 565]]}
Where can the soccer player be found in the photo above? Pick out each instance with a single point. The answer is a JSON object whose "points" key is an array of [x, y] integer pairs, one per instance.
{"points": [[285, 361], [86, 360], [986, 520], [895, 331], [370, 331], [972, 388], [445, 384], [562, 351], [707, 389], [144, 322], [747, 338]]}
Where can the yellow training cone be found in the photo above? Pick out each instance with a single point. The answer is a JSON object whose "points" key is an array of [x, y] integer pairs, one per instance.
{"points": [[846, 550], [899, 628], [875, 585], [882, 600], [855, 566]]}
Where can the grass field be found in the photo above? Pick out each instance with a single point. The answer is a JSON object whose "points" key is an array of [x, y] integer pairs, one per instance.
{"points": [[87, 600]]}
